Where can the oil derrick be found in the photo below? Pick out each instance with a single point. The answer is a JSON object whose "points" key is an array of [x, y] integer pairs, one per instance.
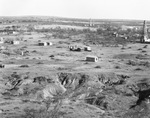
{"points": [[145, 34], [91, 24], [145, 31]]}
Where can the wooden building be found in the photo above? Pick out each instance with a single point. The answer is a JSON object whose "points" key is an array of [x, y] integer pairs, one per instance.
{"points": [[92, 58]]}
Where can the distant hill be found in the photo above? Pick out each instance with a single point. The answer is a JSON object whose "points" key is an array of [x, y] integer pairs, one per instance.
{"points": [[55, 18]]}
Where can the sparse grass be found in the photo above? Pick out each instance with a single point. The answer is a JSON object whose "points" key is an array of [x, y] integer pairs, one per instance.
{"points": [[61, 68], [117, 67], [11, 62], [51, 56], [34, 51], [24, 66], [138, 63], [138, 69], [130, 62], [40, 63], [86, 63], [143, 51], [24, 47], [139, 49], [145, 46], [141, 111], [123, 48], [59, 47], [97, 66]]}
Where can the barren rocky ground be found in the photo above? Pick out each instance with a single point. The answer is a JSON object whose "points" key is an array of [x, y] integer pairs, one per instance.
{"points": [[54, 82]]}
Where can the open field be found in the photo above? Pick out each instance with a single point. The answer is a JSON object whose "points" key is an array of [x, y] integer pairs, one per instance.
{"points": [[52, 81]]}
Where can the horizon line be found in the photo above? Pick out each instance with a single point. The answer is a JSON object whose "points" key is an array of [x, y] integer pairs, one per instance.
{"points": [[127, 19]]}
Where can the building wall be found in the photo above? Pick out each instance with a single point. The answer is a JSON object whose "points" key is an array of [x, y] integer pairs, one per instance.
{"points": [[92, 59], [16, 42], [43, 44]]}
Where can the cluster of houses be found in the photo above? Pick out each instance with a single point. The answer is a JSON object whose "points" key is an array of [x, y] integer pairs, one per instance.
{"points": [[72, 48], [77, 48], [13, 30], [14, 42], [124, 36], [8, 31], [89, 58]]}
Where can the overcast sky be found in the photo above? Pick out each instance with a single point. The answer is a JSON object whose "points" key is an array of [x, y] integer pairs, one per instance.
{"points": [[101, 9]]}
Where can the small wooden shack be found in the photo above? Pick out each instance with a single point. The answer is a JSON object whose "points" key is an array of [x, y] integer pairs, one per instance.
{"points": [[49, 43], [75, 48], [44, 43], [15, 42], [92, 58], [3, 48], [2, 66], [87, 49], [1, 40]]}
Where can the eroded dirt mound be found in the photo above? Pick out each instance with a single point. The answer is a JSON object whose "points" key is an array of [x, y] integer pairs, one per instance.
{"points": [[112, 78], [73, 81], [107, 93]]}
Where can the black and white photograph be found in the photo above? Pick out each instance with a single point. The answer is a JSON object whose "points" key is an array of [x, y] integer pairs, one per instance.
{"points": [[74, 59]]}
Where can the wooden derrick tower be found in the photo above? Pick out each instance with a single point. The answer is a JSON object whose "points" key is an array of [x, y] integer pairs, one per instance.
{"points": [[145, 37], [91, 23], [145, 31]]}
